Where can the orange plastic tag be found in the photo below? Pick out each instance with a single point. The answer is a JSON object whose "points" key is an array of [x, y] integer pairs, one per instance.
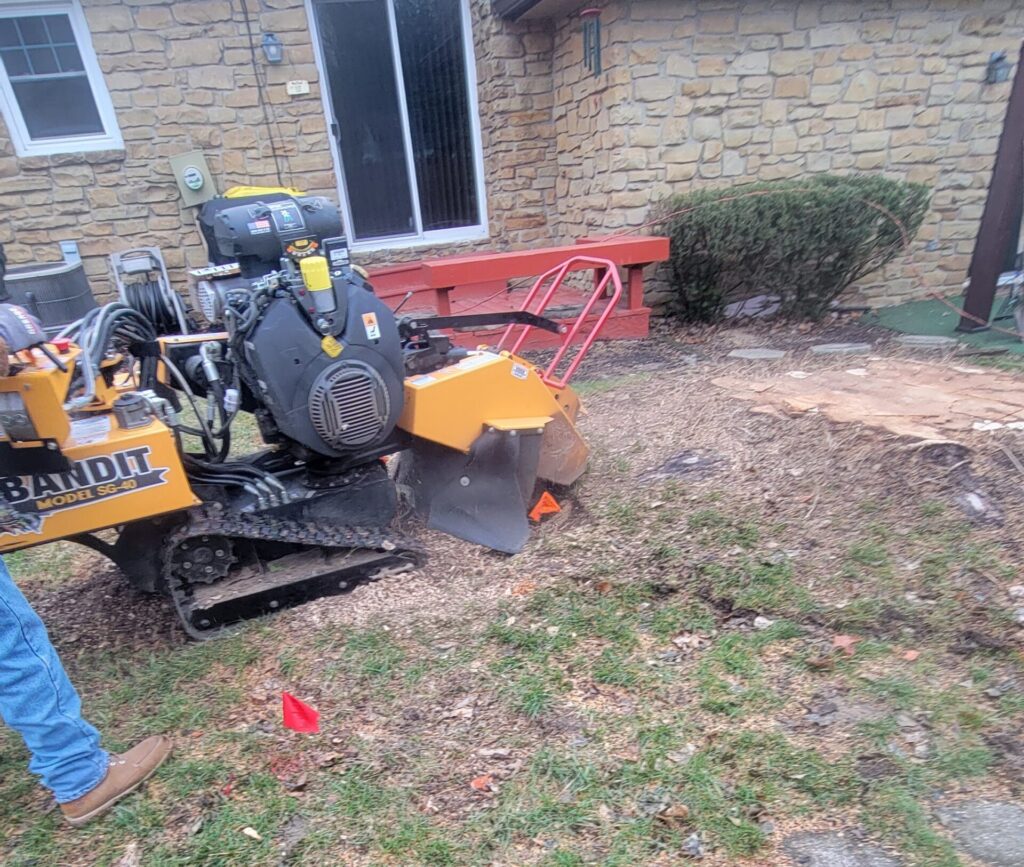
{"points": [[546, 505]]}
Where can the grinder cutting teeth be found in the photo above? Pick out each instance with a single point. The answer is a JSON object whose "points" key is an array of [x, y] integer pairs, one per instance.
{"points": [[94, 437]]}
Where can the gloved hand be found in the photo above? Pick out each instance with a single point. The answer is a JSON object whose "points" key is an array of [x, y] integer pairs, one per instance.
{"points": [[19, 328]]}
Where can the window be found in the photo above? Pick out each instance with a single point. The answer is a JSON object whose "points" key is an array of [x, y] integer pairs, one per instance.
{"points": [[51, 90], [401, 99]]}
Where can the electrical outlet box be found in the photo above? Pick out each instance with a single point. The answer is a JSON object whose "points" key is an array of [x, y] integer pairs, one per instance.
{"points": [[195, 183]]}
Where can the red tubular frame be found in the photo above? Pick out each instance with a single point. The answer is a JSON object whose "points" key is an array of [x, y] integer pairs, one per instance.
{"points": [[559, 272]]}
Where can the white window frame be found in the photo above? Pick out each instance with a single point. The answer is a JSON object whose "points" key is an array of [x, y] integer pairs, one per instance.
{"points": [[24, 145], [419, 238]]}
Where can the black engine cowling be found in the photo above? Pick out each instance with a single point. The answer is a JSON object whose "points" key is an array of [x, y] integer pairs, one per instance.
{"points": [[338, 393]]}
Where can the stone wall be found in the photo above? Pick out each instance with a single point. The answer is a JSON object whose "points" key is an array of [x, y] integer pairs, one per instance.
{"points": [[694, 93], [723, 93], [180, 75]]}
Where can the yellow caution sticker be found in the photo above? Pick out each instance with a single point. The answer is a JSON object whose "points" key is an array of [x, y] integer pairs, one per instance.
{"points": [[331, 346]]}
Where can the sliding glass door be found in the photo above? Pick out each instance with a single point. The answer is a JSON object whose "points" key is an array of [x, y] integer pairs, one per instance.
{"points": [[402, 108]]}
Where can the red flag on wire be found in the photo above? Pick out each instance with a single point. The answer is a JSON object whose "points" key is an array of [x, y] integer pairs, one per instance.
{"points": [[298, 715]]}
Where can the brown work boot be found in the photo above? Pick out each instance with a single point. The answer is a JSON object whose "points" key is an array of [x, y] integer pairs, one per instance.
{"points": [[125, 774]]}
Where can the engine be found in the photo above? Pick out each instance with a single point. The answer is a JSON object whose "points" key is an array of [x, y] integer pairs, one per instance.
{"points": [[318, 354], [326, 364]]}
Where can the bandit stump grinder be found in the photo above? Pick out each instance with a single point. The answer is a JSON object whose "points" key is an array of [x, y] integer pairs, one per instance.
{"points": [[117, 433]]}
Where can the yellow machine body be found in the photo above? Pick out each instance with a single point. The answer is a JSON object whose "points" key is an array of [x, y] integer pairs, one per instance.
{"points": [[116, 475], [453, 406]]}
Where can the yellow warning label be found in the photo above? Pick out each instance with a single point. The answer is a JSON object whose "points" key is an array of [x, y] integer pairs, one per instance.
{"points": [[371, 326], [331, 346]]}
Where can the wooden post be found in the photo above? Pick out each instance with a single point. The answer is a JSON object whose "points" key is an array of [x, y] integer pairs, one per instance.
{"points": [[1004, 195], [635, 287]]}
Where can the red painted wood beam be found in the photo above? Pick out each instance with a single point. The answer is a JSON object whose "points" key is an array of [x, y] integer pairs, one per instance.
{"points": [[478, 268]]}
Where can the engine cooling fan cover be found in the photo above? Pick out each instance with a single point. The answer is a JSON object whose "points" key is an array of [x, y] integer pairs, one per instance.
{"points": [[349, 405]]}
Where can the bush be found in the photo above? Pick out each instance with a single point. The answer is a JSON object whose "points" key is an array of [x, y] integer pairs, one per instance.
{"points": [[800, 241]]}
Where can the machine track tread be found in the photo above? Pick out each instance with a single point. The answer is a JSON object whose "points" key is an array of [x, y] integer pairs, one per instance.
{"points": [[212, 520]]}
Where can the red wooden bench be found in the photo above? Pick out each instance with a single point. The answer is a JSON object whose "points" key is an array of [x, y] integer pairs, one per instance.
{"points": [[480, 283]]}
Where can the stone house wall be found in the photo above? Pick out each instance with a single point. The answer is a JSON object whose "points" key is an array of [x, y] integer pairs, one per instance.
{"points": [[181, 78], [702, 94], [694, 93]]}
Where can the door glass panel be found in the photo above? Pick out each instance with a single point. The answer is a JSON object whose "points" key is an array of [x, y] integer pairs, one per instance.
{"points": [[433, 56], [358, 62]]}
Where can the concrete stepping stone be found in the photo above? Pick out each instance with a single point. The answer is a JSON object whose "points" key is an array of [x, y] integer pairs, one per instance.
{"points": [[927, 341], [834, 849], [758, 354], [990, 831], [842, 349]]}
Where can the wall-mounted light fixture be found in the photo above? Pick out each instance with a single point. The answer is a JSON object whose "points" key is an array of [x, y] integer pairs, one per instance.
{"points": [[592, 40], [998, 69], [273, 48]]}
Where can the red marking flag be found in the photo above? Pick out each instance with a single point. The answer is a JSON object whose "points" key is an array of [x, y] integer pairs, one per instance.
{"points": [[298, 715]]}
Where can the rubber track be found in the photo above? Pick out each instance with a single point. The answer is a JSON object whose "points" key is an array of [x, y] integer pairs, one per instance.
{"points": [[211, 520]]}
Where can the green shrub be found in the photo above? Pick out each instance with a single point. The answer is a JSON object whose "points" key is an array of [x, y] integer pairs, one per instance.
{"points": [[803, 241]]}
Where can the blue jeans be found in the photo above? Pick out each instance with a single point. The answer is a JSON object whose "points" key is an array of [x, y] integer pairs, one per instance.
{"points": [[38, 701]]}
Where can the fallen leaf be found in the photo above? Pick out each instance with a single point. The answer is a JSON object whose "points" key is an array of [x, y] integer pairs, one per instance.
{"points": [[524, 588], [252, 833], [482, 783], [846, 643], [677, 814], [603, 587], [689, 641], [495, 753], [910, 655], [820, 662], [628, 754], [297, 784]]}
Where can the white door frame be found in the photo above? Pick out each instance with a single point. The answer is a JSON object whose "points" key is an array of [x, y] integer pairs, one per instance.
{"points": [[419, 238]]}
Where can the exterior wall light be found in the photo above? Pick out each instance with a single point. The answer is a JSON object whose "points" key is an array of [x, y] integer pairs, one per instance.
{"points": [[998, 69], [592, 40], [273, 48]]}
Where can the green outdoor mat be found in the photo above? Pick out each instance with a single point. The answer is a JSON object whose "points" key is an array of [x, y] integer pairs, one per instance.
{"points": [[932, 317]]}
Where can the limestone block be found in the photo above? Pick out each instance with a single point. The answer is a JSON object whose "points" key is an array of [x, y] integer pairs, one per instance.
{"points": [[680, 66], [778, 22], [792, 62], [707, 128], [863, 87], [718, 22], [793, 87], [108, 19], [869, 141], [834, 34], [751, 63]]}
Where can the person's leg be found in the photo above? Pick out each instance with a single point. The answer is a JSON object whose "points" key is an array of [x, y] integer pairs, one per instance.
{"points": [[38, 701]]}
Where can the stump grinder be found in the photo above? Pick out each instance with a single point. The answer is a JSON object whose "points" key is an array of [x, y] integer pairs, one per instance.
{"points": [[117, 434]]}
